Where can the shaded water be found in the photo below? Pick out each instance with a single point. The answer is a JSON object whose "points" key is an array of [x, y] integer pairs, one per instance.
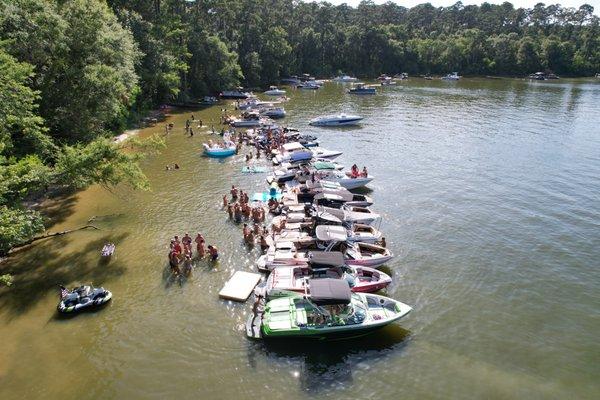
{"points": [[490, 192]]}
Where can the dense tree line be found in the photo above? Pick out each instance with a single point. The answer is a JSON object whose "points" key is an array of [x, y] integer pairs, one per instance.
{"points": [[75, 72]]}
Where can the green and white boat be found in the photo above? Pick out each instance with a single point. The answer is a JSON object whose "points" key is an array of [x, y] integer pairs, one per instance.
{"points": [[330, 311]]}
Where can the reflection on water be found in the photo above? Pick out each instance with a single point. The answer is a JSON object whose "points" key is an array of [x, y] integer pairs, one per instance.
{"points": [[489, 193]]}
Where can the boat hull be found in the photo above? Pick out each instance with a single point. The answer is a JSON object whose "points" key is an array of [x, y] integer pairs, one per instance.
{"points": [[330, 123], [219, 153]]}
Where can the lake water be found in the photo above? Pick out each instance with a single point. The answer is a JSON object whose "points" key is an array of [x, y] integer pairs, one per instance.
{"points": [[490, 193]]}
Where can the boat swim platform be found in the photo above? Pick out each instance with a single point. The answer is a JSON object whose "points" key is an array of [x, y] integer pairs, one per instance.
{"points": [[240, 286]]}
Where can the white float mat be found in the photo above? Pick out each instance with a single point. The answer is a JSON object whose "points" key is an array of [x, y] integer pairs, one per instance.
{"points": [[240, 286]]}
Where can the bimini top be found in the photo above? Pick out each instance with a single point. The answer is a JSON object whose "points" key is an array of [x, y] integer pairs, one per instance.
{"points": [[326, 259], [329, 233], [329, 291]]}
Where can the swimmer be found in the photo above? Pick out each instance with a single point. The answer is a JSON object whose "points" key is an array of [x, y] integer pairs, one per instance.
{"points": [[214, 252]]}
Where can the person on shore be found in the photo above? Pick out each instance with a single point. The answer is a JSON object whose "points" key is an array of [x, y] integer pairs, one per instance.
{"points": [[200, 245], [234, 193], [214, 252], [246, 210]]}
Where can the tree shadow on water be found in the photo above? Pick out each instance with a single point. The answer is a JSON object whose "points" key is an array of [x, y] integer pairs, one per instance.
{"points": [[44, 267], [327, 365]]}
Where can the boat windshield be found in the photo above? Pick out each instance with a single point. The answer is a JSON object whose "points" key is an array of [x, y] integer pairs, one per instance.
{"points": [[334, 315]]}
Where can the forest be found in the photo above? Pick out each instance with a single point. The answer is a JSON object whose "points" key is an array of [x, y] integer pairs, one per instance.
{"points": [[73, 73]]}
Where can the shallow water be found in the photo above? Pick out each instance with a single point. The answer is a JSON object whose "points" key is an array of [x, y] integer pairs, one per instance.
{"points": [[490, 192]]}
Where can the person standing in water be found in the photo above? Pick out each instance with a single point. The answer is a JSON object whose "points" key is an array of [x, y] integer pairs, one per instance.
{"points": [[214, 252], [200, 245]]}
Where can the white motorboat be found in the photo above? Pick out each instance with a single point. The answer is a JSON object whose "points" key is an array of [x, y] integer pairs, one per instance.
{"points": [[344, 180], [355, 254], [309, 85], [280, 253], [451, 77], [345, 78], [274, 112], [352, 215], [250, 120], [319, 152], [364, 233], [275, 91], [336, 120], [339, 198], [253, 104], [293, 152]]}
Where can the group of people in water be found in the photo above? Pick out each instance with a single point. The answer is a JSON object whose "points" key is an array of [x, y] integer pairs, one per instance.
{"points": [[180, 251], [239, 210]]}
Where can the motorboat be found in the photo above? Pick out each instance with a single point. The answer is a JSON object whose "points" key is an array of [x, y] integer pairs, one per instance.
{"points": [[363, 233], [352, 214], [309, 85], [253, 104], [293, 80], [336, 120], [345, 79], [385, 80], [293, 152], [249, 120], [285, 279], [274, 112], [451, 77], [361, 88], [218, 151], [280, 253], [337, 199], [235, 94], [343, 179], [331, 310], [367, 255], [275, 91], [371, 255], [82, 297], [320, 152], [538, 76]]}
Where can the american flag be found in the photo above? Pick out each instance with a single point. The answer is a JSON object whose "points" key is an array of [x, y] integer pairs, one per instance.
{"points": [[63, 292]]}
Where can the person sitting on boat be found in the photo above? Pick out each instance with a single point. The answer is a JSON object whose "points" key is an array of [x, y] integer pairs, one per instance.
{"points": [[354, 171], [365, 173], [214, 252]]}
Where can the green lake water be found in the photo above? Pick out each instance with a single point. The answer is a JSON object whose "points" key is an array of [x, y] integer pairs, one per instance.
{"points": [[490, 196]]}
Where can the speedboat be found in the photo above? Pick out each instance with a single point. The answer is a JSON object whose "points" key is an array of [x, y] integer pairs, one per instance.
{"points": [[309, 85], [235, 94], [361, 88], [285, 279], [355, 253], [320, 152], [331, 310], [253, 104], [352, 214], [344, 78], [280, 253], [337, 199], [293, 152], [275, 91], [336, 120], [344, 180], [249, 120], [363, 233], [274, 112], [81, 298], [217, 151], [385, 80], [451, 77]]}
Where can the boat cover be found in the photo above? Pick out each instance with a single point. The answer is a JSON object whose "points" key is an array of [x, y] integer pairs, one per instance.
{"points": [[331, 232], [323, 165], [293, 146], [326, 258], [329, 291]]}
